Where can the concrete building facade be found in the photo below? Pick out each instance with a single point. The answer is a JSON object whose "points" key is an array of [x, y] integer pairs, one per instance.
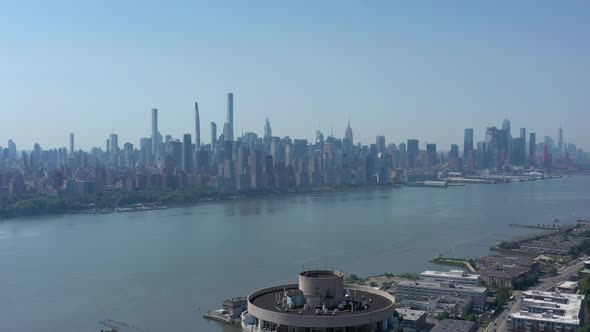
{"points": [[320, 302]]}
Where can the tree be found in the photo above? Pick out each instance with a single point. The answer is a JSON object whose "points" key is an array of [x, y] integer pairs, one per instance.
{"points": [[373, 284], [584, 285], [502, 295]]}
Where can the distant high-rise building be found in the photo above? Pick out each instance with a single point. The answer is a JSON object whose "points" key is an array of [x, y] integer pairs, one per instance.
{"points": [[230, 117], [113, 143], [145, 150], [560, 140], [197, 128], [11, 149], [431, 158], [506, 126], [348, 133], [213, 134], [267, 130], [467, 142], [413, 150], [523, 156], [227, 136], [454, 153], [154, 131], [532, 148], [71, 143], [380, 143], [187, 153]]}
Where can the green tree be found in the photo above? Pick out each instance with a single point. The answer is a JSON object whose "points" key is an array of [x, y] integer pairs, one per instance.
{"points": [[502, 295], [584, 285]]}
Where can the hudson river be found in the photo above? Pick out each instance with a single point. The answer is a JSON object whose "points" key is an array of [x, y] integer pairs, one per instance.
{"points": [[161, 270]]}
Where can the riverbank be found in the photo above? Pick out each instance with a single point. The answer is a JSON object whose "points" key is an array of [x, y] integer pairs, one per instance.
{"points": [[131, 201]]}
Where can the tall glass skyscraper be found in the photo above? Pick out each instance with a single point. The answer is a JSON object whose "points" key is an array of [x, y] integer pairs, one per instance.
{"points": [[230, 117]]}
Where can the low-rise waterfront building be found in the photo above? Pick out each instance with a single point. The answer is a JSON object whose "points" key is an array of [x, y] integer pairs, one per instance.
{"points": [[412, 320], [413, 289], [320, 302], [491, 260], [548, 311], [235, 306], [458, 277], [503, 275]]}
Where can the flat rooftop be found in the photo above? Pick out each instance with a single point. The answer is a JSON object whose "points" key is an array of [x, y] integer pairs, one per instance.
{"points": [[441, 285], [571, 308], [452, 273], [268, 301], [568, 285], [410, 314], [453, 325]]}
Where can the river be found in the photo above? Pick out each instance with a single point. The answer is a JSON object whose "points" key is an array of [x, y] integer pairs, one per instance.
{"points": [[161, 270]]}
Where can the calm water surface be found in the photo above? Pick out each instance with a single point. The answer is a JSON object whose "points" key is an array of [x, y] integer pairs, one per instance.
{"points": [[161, 270]]}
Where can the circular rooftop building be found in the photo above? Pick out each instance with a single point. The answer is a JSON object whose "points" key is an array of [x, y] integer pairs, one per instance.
{"points": [[321, 301]]}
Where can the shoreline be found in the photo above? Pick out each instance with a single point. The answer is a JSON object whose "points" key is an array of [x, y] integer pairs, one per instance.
{"points": [[147, 206]]}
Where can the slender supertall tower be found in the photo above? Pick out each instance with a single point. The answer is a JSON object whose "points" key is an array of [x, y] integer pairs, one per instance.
{"points": [[213, 135], [560, 140], [230, 116], [71, 143], [154, 131], [197, 128]]}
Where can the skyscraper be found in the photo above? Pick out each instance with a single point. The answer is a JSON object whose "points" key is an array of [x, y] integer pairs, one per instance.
{"points": [[523, 156], [197, 128], [11, 149], [213, 134], [267, 130], [230, 116], [348, 133], [71, 143], [380, 143], [154, 131], [506, 126], [413, 150], [467, 142], [532, 148], [560, 140], [187, 153], [113, 143], [227, 135]]}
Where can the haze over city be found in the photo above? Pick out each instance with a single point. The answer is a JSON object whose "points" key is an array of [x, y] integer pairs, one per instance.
{"points": [[402, 70]]}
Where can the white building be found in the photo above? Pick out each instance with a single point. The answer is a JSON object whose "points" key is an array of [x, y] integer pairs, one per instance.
{"points": [[548, 311], [412, 289], [457, 277]]}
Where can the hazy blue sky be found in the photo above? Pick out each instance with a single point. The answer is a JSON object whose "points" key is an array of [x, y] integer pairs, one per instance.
{"points": [[414, 69]]}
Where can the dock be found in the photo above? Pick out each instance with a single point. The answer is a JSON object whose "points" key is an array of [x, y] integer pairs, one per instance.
{"points": [[222, 318], [553, 227]]}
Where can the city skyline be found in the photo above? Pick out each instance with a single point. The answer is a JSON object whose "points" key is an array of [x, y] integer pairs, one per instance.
{"points": [[197, 131], [398, 70]]}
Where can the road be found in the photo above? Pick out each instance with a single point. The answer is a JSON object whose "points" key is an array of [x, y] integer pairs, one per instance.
{"points": [[499, 323], [550, 282]]}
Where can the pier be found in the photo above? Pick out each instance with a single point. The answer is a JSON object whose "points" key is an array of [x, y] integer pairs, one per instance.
{"points": [[553, 227]]}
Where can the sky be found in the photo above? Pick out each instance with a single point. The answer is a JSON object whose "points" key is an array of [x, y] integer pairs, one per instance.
{"points": [[403, 69]]}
